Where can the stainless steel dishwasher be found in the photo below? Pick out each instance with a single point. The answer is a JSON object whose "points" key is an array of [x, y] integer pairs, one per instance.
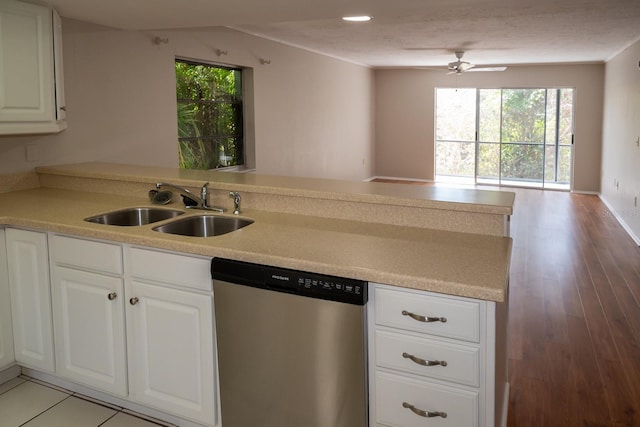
{"points": [[291, 347]]}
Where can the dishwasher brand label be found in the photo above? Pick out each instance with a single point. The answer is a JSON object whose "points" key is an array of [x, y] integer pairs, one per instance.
{"points": [[283, 278]]}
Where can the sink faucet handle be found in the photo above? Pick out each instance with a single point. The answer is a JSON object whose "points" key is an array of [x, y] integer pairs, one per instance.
{"points": [[236, 201], [204, 195]]}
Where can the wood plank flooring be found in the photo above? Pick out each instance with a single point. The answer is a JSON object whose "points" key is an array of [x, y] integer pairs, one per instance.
{"points": [[574, 326], [574, 319]]}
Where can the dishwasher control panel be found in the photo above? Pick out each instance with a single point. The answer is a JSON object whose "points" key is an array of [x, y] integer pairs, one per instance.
{"points": [[302, 283]]}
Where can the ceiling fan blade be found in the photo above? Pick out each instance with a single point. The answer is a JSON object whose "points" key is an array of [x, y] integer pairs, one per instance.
{"points": [[465, 66], [487, 69]]}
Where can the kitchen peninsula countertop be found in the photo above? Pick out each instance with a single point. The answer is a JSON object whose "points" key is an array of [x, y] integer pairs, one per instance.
{"points": [[447, 262], [469, 200]]}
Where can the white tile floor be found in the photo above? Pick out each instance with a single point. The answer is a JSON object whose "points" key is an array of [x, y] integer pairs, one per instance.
{"points": [[31, 403]]}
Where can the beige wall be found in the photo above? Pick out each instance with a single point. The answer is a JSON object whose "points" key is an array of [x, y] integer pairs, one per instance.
{"points": [[620, 142], [405, 115], [313, 115]]}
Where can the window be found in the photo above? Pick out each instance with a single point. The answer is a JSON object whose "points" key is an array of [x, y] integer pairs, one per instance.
{"points": [[505, 136], [210, 115]]}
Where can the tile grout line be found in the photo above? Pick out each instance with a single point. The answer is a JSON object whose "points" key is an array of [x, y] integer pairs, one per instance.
{"points": [[49, 408], [89, 399]]}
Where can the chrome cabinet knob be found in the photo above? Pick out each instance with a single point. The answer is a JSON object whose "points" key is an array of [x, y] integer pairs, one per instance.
{"points": [[133, 301], [112, 296]]}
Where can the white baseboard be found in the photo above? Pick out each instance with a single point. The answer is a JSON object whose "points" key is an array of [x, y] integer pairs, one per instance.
{"points": [[505, 405], [9, 373], [590, 193], [397, 178], [621, 221]]}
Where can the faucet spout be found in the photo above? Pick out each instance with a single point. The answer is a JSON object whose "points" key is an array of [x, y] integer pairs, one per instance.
{"points": [[198, 202]]}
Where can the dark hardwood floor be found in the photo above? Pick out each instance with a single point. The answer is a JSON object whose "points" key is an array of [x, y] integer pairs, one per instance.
{"points": [[574, 316], [574, 325]]}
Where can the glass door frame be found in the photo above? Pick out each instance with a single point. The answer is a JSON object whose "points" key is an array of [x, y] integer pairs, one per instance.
{"points": [[500, 180]]}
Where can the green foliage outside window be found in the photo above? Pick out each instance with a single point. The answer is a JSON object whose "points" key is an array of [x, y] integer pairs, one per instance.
{"points": [[522, 134], [210, 123]]}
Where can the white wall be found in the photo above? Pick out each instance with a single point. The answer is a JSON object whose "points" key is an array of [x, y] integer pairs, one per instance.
{"points": [[313, 114], [405, 115], [620, 141]]}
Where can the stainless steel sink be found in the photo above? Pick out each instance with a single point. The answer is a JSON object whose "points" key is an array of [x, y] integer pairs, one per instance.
{"points": [[203, 225], [134, 216]]}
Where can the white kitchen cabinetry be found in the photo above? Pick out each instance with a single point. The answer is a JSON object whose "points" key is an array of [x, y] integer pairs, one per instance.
{"points": [[28, 266], [88, 313], [31, 88], [170, 334], [162, 356], [432, 359], [7, 356]]}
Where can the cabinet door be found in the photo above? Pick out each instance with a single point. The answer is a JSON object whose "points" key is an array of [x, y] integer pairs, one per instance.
{"points": [[88, 320], [26, 63], [61, 109], [171, 358], [6, 333], [30, 298]]}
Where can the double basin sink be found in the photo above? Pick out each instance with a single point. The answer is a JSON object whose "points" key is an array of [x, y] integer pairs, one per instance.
{"points": [[201, 225]]}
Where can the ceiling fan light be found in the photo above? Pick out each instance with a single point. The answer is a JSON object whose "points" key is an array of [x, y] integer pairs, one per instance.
{"points": [[358, 18]]}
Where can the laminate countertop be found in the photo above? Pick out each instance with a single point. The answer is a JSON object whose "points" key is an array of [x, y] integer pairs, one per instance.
{"points": [[447, 262], [438, 197]]}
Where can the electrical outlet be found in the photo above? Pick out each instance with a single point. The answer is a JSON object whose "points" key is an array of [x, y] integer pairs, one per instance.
{"points": [[31, 153], [638, 141]]}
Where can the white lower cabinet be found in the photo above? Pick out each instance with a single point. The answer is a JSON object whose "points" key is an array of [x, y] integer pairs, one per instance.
{"points": [[87, 290], [407, 402], [28, 267], [170, 335], [136, 323], [7, 355], [431, 359], [171, 351], [89, 329]]}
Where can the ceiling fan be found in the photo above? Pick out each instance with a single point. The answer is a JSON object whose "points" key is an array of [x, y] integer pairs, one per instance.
{"points": [[459, 66]]}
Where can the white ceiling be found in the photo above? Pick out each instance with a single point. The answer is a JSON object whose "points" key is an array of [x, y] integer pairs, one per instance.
{"points": [[403, 33]]}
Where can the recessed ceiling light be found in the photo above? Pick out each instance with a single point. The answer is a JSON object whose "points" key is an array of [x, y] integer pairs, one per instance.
{"points": [[362, 18]]}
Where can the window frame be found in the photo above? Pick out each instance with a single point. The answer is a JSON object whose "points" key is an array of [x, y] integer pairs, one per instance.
{"points": [[246, 103]]}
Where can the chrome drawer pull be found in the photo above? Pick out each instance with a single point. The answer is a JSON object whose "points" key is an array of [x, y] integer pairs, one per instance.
{"points": [[424, 362], [423, 318], [422, 413]]}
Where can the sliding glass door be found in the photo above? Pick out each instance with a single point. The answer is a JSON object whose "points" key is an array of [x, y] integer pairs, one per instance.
{"points": [[505, 136]]}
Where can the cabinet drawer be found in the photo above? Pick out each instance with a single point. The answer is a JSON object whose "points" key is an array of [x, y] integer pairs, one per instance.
{"points": [[182, 270], [394, 393], [451, 362], [410, 311], [98, 256]]}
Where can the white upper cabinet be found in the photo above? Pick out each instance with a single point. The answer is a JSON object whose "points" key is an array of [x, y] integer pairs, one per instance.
{"points": [[31, 88]]}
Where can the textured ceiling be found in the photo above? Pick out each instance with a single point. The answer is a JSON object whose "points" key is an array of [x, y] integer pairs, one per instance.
{"points": [[403, 33]]}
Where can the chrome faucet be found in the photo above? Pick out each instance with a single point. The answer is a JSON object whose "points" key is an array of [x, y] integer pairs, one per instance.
{"points": [[199, 202], [236, 201]]}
